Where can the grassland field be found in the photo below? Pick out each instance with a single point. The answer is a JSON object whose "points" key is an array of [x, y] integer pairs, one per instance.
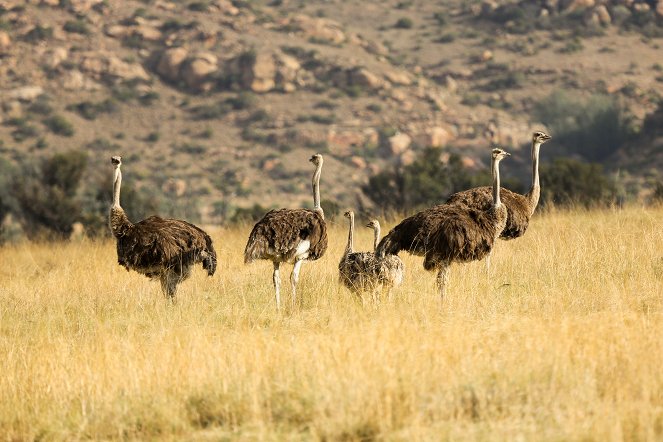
{"points": [[562, 340]]}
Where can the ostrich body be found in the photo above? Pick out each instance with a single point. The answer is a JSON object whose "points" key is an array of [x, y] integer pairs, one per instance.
{"points": [[290, 235], [390, 267], [450, 232], [156, 247], [520, 208]]}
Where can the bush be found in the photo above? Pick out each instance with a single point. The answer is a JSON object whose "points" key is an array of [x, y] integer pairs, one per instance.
{"points": [[568, 182], [76, 27], [593, 128], [90, 111], [404, 23], [423, 183], [59, 125], [47, 195], [39, 33]]}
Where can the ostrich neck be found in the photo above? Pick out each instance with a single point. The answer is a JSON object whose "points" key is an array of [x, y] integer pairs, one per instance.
{"points": [[535, 190], [350, 245], [376, 236], [117, 183], [496, 183], [316, 190], [119, 223]]}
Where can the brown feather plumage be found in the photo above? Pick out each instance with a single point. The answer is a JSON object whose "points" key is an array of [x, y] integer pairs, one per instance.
{"points": [[520, 208], [156, 244], [157, 247], [517, 206], [277, 235], [446, 233]]}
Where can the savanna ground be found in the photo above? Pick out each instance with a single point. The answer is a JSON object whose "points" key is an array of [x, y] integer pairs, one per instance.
{"points": [[562, 342]]}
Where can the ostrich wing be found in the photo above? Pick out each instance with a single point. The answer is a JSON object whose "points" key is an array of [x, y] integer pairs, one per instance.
{"points": [[278, 234], [462, 235], [155, 243], [481, 198], [411, 234]]}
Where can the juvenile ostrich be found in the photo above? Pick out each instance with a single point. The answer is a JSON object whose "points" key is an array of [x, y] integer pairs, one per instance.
{"points": [[157, 247], [358, 271], [290, 235], [390, 267], [450, 232], [520, 208]]}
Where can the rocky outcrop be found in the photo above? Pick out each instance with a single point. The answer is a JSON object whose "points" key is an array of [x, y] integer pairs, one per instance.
{"points": [[5, 42], [170, 62], [197, 71], [315, 29], [107, 67]]}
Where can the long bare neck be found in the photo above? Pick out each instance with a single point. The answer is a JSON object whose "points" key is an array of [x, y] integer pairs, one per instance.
{"points": [[349, 247], [117, 219], [497, 202], [376, 236], [117, 184], [316, 190], [534, 191]]}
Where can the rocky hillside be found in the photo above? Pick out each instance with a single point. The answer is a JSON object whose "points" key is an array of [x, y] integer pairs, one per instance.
{"points": [[216, 104]]}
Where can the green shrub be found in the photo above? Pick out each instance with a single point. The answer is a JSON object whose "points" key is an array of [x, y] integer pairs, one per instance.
{"points": [[568, 182], [199, 6], [59, 125], [76, 27], [593, 128], [39, 33], [425, 182], [404, 23], [47, 195], [90, 110]]}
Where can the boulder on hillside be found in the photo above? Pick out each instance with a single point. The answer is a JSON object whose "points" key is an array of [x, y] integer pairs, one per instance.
{"points": [[264, 71], [26, 93], [398, 143], [5, 42], [55, 57], [316, 29], [107, 67], [197, 71], [398, 77], [170, 62]]}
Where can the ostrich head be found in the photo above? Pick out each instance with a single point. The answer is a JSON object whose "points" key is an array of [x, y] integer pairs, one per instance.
{"points": [[116, 161], [540, 137], [348, 214], [316, 159], [373, 224], [500, 154]]}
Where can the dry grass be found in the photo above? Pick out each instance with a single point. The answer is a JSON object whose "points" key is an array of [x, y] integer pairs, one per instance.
{"points": [[563, 342]]}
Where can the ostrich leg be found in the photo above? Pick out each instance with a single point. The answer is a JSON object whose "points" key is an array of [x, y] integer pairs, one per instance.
{"points": [[442, 280], [294, 278], [277, 283], [169, 282]]}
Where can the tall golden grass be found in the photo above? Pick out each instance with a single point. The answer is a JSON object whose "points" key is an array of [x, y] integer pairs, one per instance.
{"points": [[562, 341]]}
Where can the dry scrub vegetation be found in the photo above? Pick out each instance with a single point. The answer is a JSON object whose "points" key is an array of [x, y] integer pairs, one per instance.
{"points": [[562, 342]]}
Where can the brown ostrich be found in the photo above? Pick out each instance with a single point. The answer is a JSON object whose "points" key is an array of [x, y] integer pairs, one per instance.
{"points": [[450, 232], [156, 247], [290, 235], [520, 208]]}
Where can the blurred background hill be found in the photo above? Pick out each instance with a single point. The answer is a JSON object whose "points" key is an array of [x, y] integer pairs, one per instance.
{"points": [[215, 105]]}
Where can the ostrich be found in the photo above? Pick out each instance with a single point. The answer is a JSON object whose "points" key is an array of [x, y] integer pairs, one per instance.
{"points": [[449, 233], [390, 267], [157, 247], [519, 208], [290, 235], [358, 271]]}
